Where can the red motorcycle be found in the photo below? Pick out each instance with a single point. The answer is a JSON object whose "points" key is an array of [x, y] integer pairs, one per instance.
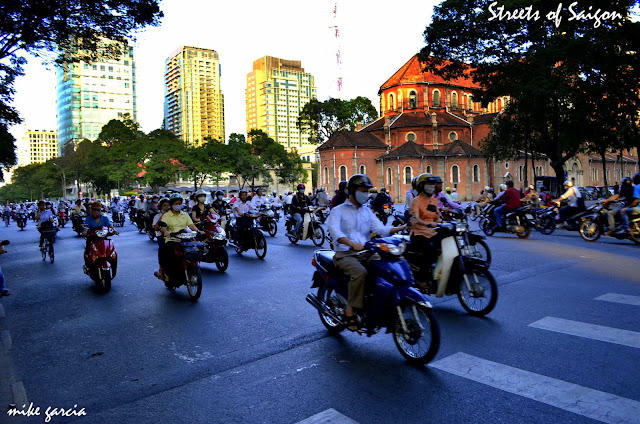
{"points": [[62, 217], [215, 240], [101, 258], [185, 264]]}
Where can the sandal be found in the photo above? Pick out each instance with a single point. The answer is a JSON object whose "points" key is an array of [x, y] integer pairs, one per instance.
{"points": [[351, 322]]}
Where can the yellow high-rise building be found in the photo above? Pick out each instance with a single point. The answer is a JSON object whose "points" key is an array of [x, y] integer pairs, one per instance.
{"points": [[277, 90], [193, 102]]}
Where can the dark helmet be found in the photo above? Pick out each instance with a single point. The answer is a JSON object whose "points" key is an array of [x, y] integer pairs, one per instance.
{"points": [[242, 191], [383, 190], [636, 178], [219, 193], [342, 185], [301, 187], [424, 179], [413, 182], [509, 183], [358, 180], [174, 198], [438, 179], [162, 201]]}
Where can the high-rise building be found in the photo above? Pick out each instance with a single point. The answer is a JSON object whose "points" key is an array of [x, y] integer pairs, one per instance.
{"points": [[193, 100], [277, 90], [37, 147], [90, 95]]}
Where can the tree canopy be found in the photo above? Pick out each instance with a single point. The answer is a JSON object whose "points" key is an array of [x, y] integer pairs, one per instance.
{"points": [[322, 119], [557, 67]]}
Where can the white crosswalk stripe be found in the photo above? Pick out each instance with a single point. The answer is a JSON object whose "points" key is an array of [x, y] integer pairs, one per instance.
{"points": [[620, 298], [330, 416], [589, 331], [594, 404]]}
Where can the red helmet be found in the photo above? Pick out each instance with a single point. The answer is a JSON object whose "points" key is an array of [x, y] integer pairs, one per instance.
{"points": [[301, 186]]}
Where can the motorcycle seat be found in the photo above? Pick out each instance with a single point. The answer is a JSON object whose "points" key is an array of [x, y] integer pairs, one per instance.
{"points": [[325, 259]]}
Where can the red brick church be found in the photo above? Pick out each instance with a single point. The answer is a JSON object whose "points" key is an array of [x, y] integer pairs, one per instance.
{"points": [[427, 124]]}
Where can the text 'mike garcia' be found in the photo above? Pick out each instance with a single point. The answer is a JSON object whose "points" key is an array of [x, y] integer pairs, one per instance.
{"points": [[50, 412], [528, 13]]}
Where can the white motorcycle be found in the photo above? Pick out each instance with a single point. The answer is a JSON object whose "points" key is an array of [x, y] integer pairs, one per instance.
{"points": [[456, 272], [310, 228]]}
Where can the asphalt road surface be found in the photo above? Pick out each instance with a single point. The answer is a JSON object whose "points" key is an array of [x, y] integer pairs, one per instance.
{"points": [[561, 346]]}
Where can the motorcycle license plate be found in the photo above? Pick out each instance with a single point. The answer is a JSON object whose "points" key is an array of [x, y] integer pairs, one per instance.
{"points": [[529, 216]]}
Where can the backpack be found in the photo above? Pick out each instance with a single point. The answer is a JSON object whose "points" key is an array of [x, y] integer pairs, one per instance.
{"points": [[581, 205]]}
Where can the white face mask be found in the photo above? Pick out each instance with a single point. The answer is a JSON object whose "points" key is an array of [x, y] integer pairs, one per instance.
{"points": [[201, 199], [301, 191], [361, 197], [429, 189], [219, 197], [176, 208]]}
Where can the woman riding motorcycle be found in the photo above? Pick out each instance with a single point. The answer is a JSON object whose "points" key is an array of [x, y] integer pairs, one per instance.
{"points": [[164, 208], [171, 222], [219, 205], [200, 209]]}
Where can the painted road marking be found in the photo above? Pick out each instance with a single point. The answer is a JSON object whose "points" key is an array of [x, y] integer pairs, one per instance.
{"points": [[330, 416], [594, 404], [620, 298], [589, 331]]}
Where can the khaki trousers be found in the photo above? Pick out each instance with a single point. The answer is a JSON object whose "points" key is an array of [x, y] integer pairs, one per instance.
{"points": [[354, 266]]}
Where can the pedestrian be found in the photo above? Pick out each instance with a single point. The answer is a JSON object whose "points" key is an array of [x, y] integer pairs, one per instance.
{"points": [[3, 290]]}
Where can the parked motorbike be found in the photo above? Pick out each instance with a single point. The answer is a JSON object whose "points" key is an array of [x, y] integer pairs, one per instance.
{"points": [[214, 240], [310, 228], [101, 259], [249, 238], [267, 220], [21, 220], [62, 217], [390, 300], [458, 271], [516, 222], [185, 267], [595, 224]]}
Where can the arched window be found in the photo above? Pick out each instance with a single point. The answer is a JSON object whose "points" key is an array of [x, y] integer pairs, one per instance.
{"points": [[436, 99], [363, 169], [413, 100], [454, 100], [455, 174], [521, 173], [428, 171], [389, 177], [453, 136], [476, 174], [410, 137], [343, 173], [392, 102], [408, 174], [326, 176]]}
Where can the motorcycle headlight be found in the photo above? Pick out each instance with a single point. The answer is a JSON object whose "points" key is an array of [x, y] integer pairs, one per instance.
{"points": [[186, 236], [269, 214], [392, 249], [461, 228], [102, 233]]}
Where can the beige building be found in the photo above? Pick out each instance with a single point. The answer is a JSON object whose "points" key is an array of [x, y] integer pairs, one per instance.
{"points": [[32, 146], [277, 90], [193, 102]]}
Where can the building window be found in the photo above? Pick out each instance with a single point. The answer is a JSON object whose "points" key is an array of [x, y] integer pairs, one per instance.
{"points": [[455, 174], [453, 136], [326, 176], [435, 102], [595, 174], [413, 100], [476, 174], [410, 137], [428, 169], [363, 169], [343, 173], [392, 102], [506, 165], [521, 173], [454, 100], [389, 177], [408, 174]]}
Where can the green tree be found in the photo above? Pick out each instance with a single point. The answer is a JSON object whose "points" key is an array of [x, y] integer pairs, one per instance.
{"points": [[322, 119], [7, 147], [548, 69]]}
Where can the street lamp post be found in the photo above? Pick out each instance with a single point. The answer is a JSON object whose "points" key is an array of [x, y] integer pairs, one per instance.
{"points": [[64, 181]]}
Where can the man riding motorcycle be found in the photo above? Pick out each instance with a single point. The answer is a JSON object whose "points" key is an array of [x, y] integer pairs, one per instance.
{"points": [[299, 202], [95, 220], [381, 199], [571, 195], [632, 208], [626, 194], [351, 225], [219, 205], [511, 198], [259, 200], [43, 215], [240, 207]]}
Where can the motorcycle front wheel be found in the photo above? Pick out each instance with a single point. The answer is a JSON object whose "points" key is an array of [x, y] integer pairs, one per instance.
{"points": [[488, 228], [420, 343], [260, 245], [546, 225], [590, 230], [526, 234], [483, 296], [480, 249], [318, 236], [194, 284], [273, 229], [105, 283], [222, 262]]}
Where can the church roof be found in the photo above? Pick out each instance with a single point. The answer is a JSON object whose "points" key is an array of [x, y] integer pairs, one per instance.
{"points": [[411, 72], [360, 139], [486, 118], [409, 149], [459, 148]]}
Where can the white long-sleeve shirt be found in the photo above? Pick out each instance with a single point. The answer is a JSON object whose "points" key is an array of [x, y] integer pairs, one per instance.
{"points": [[356, 224], [240, 208], [258, 201]]}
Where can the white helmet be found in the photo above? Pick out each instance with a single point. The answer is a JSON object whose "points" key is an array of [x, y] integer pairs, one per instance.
{"points": [[568, 184], [200, 192], [454, 190], [486, 188], [503, 187]]}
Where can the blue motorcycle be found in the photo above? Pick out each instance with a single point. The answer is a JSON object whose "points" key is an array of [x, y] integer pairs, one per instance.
{"points": [[390, 301]]}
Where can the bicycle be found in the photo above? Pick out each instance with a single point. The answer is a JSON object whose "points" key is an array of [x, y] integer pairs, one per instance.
{"points": [[49, 237]]}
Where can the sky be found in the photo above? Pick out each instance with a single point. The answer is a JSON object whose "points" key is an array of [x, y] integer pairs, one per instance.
{"points": [[376, 38]]}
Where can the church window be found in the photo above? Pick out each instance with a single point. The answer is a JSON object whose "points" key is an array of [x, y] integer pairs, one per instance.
{"points": [[436, 99], [476, 174], [453, 136], [363, 169], [413, 100], [410, 137], [455, 174], [454, 100], [408, 174], [389, 176], [343, 173]]}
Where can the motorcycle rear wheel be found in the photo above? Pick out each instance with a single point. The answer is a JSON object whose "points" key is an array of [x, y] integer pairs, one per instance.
{"points": [[318, 236], [546, 225], [420, 345], [223, 260], [488, 228], [480, 250], [260, 245], [194, 288], [526, 234], [332, 326], [590, 230], [273, 228], [478, 304]]}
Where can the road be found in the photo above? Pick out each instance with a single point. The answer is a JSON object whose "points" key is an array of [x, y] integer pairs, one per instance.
{"points": [[562, 345]]}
